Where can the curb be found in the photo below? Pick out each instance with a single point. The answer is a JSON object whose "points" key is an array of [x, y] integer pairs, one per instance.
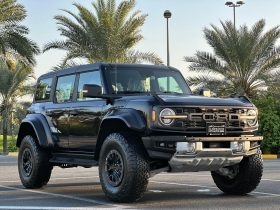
{"points": [[270, 156], [13, 154]]}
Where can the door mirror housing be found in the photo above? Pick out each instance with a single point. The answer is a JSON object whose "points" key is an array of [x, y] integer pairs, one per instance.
{"points": [[205, 92], [92, 91]]}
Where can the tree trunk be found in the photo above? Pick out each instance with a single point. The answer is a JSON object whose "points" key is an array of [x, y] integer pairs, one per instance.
{"points": [[5, 130]]}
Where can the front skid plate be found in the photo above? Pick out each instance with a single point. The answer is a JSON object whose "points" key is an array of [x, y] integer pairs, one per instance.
{"points": [[183, 164]]}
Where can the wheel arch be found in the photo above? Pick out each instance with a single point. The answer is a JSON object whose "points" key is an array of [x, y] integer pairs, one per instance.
{"points": [[37, 126], [127, 120]]}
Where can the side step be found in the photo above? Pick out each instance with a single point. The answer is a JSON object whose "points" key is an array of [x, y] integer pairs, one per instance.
{"points": [[73, 159]]}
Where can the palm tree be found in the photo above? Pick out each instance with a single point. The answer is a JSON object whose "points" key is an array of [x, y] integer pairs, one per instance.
{"points": [[106, 34], [244, 61], [16, 54], [13, 36], [12, 85]]}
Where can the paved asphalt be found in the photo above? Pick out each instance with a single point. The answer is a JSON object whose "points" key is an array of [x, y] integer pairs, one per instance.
{"points": [[79, 188]]}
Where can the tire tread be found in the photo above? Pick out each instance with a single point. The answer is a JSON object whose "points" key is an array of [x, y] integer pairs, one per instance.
{"points": [[248, 178], [136, 183], [42, 168]]}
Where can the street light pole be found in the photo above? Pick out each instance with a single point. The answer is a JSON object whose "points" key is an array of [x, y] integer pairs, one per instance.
{"points": [[167, 14], [168, 55], [234, 5]]}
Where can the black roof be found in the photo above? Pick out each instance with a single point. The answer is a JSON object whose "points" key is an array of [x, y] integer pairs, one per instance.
{"points": [[86, 67]]}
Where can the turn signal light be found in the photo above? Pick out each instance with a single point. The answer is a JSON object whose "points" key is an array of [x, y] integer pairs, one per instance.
{"points": [[154, 116]]}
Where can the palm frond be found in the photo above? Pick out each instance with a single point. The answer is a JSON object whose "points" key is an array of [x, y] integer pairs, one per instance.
{"points": [[108, 33], [204, 62], [140, 57], [12, 81], [11, 11], [13, 36], [243, 58], [65, 65]]}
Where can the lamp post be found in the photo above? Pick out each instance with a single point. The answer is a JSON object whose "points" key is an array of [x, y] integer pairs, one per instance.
{"points": [[167, 14], [234, 5]]}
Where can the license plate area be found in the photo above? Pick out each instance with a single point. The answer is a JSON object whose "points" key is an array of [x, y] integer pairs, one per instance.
{"points": [[215, 128]]}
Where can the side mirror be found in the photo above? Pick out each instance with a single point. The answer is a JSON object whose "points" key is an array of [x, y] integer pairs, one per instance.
{"points": [[92, 91], [205, 92]]}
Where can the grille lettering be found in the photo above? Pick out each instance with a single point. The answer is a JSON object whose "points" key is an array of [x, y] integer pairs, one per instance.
{"points": [[219, 117]]}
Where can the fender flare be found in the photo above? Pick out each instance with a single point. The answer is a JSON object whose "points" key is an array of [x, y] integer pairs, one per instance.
{"points": [[134, 119], [41, 130]]}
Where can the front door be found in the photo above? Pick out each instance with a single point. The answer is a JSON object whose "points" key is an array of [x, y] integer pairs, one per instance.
{"points": [[85, 115], [59, 110]]}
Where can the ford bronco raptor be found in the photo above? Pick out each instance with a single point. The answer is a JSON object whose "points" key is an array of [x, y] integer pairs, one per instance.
{"points": [[134, 121]]}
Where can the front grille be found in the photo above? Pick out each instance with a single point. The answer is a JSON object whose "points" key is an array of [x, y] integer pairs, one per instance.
{"points": [[198, 118]]}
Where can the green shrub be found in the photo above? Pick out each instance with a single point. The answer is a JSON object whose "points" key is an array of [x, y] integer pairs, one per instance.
{"points": [[269, 120], [11, 144]]}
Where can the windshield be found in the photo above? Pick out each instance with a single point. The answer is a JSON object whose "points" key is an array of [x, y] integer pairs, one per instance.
{"points": [[147, 80]]}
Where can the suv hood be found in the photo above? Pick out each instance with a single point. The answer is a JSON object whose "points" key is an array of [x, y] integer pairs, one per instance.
{"points": [[203, 101]]}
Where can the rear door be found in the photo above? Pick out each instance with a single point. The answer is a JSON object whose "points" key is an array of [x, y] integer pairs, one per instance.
{"points": [[85, 115]]}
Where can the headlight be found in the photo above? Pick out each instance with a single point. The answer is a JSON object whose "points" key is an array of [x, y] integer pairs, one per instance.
{"points": [[165, 116], [254, 117], [252, 112]]}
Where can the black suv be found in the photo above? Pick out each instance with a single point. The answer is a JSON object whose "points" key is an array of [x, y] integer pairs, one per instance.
{"points": [[134, 121]]}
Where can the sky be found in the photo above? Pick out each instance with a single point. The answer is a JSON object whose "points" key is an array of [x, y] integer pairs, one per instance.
{"points": [[189, 18]]}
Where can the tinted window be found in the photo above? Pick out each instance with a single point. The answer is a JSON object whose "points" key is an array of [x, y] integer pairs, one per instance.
{"points": [[64, 88], [92, 78], [43, 90]]}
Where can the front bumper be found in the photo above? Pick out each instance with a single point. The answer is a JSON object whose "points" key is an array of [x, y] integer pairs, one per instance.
{"points": [[203, 158]]}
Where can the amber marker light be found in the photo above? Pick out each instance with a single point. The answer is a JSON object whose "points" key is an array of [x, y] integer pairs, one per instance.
{"points": [[154, 116]]}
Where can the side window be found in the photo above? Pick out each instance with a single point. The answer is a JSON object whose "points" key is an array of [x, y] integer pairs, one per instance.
{"points": [[92, 78], [64, 88], [173, 85], [43, 89]]}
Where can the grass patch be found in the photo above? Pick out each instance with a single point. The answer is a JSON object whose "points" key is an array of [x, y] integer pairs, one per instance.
{"points": [[11, 144]]}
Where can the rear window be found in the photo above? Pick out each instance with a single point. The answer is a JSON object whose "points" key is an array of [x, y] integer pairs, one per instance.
{"points": [[43, 90]]}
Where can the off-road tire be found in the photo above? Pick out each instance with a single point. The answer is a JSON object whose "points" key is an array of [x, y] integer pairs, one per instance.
{"points": [[41, 167], [135, 168], [247, 178]]}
